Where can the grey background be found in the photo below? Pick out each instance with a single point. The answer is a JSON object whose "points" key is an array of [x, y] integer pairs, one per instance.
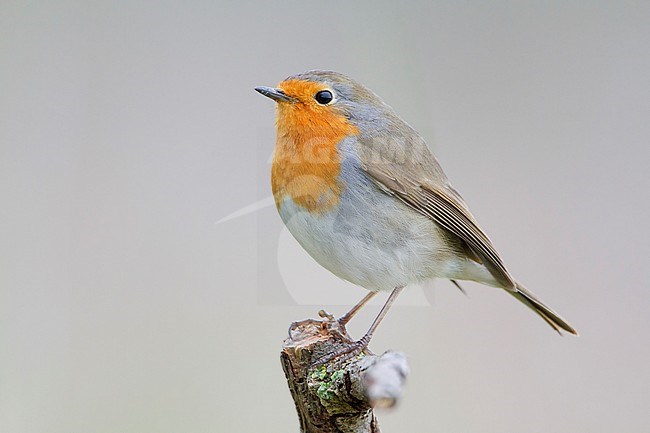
{"points": [[128, 128]]}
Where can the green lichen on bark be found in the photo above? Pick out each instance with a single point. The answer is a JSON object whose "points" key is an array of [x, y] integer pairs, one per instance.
{"points": [[327, 387], [331, 389]]}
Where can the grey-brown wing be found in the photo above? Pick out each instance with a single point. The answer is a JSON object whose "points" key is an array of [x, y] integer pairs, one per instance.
{"points": [[446, 208]]}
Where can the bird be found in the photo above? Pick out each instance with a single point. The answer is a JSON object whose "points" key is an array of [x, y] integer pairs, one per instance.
{"points": [[363, 194]]}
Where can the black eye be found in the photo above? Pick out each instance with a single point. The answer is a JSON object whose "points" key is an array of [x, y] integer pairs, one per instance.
{"points": [[324, 97]]}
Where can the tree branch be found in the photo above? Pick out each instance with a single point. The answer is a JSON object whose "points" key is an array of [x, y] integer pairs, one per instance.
{"points": [[338, 397]]}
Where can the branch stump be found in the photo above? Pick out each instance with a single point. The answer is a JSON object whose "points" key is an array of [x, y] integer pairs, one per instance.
{"points": [[338, 397]]}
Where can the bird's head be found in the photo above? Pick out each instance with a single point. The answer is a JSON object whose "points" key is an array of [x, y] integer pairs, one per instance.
{"points": [[315, 101]]}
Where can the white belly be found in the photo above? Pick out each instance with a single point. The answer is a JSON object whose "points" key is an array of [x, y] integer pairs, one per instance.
{"points": [[378, 247]]}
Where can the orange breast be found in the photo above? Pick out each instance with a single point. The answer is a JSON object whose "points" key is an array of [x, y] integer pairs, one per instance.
{"points": [[306, 163]]}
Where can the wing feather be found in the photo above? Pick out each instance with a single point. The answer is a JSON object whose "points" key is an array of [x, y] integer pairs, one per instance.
{"points": [[446, 208]]}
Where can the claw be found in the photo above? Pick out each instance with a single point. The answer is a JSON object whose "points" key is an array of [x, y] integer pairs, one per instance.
{"points": [[325, 315], [345, 353]]}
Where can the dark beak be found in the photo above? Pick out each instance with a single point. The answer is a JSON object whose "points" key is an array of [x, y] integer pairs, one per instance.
{"points": [[275, 94]]}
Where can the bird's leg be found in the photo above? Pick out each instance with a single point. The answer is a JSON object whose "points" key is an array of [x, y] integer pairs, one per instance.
{"points": [[356, 347], [346, 318], [365, 340]]}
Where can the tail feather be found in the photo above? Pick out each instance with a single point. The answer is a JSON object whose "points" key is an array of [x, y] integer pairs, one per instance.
{"points": [[550, 316]]}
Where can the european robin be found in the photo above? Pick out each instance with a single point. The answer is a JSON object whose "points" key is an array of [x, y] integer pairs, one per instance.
{"points": [[362, 193]]}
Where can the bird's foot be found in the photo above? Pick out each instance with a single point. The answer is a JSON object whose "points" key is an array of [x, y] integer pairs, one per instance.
{"points": [[345, 353], [333, 323]]}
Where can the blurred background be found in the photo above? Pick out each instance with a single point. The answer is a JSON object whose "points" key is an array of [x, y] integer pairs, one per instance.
{"points": [[128, 129]]}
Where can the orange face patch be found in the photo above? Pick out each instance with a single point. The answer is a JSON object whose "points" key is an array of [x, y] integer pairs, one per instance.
{"points": [[306, 164]]}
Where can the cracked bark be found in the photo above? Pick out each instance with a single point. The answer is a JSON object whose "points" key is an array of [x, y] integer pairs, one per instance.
{"points": [[338, 397]]}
